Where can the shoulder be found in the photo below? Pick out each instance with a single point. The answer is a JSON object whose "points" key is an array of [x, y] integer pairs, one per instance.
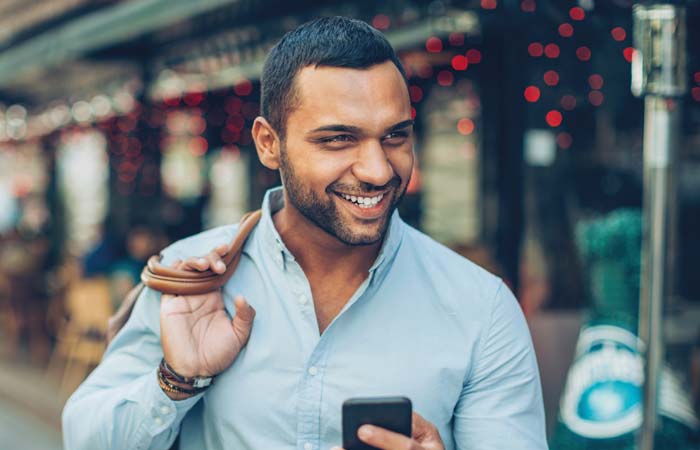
{"points": [[199, 244], [450, 268], [457, 283]]}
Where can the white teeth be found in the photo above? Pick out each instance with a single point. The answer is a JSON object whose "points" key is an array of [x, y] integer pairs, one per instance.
{"points": [[363, 202]]}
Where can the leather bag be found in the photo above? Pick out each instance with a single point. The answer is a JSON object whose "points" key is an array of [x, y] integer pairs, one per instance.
{"points": [[168, 280]]}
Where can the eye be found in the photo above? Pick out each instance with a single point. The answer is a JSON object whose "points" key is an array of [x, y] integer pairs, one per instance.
{"points": [[396, 138], [338, 138]]}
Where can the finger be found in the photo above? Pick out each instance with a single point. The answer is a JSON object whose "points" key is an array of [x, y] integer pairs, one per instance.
{"points": [[420, 426], [215, 262], [222, 249], [196, 263], [243, 320], [385, 439], [176, 264]]}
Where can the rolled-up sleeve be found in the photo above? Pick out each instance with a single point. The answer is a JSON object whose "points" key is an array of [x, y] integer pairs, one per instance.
{"points": [[500, 406], [120, 405]]}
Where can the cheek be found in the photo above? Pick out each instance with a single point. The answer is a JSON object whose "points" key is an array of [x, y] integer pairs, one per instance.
{"points": [[402, 162]]}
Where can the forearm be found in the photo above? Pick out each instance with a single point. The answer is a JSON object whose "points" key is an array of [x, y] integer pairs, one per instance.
{"points": [[135, 415]]}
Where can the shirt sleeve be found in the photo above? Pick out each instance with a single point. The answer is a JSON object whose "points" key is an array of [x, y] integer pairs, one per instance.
{"points": [[120, 405], [500, 406]]}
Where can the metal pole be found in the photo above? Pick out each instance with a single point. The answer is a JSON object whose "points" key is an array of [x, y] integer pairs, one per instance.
{"points": [[658, 73]]}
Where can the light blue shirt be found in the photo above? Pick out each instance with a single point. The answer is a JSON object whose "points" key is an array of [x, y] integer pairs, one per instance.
{"points": [[426, 324]]}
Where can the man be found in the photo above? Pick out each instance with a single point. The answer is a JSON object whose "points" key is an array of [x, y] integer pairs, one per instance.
{"points": [[335, 296]]}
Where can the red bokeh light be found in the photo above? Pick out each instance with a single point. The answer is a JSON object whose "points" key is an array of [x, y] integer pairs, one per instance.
{"points": [[577, 13], [381, 22], [459, 62], [628, 53], [528, 6], [465, 126], [193, 98], [198, 146], [596, 98], [445, 78], [566, 30], [416, 94], [553, 118], [456, 39], [618, 33], [696, 77], [595, 81], [243, 88], [551, 78], [532, 94], [413, 112], [535, 49], [564, 140], [233, 105], [568, 102], [551, 51], [489, 4], [473, 56], [433, 45], [695, 92], [583, 53]]}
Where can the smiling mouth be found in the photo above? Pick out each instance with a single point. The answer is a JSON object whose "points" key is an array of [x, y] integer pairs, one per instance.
{"points": [[364, 202]]}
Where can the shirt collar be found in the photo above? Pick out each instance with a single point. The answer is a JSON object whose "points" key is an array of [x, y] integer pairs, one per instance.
{"points": [[272, 241]]}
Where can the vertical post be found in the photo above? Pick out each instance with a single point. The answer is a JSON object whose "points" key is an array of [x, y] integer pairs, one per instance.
{"points": [[658, 74]]}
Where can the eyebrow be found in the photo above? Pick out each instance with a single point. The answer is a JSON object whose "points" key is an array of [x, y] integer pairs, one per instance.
{"points": [[356, 130]]}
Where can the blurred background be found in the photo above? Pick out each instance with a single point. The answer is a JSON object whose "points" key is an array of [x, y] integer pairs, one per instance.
{"points": [[125, 125]]}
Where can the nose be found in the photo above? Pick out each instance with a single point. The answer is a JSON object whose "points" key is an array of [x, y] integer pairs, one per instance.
{"points": [[372, 165]]}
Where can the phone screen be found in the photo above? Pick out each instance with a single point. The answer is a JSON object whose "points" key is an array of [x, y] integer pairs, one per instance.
{"points": [[392, 413]]}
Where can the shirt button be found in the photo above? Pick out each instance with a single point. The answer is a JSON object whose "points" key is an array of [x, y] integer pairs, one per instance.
{"points": [[158, 421], [164, 410], [303, 299], [308, 446], [313, 371]]}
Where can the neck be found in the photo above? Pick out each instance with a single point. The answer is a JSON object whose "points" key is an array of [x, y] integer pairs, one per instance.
{"points": [[319, 253]]}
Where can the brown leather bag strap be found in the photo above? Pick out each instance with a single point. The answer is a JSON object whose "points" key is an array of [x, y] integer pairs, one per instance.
{"points": [[184, 282]]}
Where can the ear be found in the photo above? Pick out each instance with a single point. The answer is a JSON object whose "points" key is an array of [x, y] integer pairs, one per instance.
{"points": [[267, 143]]}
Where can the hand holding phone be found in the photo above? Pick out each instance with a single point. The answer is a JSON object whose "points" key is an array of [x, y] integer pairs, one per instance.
{"points": [[395, 425], [391, 413]]}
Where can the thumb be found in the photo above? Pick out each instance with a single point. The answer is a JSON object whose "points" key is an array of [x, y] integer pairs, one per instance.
{"points": [[243, 320]]}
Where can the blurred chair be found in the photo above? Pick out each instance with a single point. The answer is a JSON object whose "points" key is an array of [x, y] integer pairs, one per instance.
{"points": [[80, 341]]}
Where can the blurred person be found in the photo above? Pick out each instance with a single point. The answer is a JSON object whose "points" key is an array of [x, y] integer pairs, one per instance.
{"points": [[335, 296]]}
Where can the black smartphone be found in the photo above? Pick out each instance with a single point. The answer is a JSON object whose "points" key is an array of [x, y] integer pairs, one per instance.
{"points": [[392, 413]]}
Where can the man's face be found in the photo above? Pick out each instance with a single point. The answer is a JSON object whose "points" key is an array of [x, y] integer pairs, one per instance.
{"points": [[348, 152]]}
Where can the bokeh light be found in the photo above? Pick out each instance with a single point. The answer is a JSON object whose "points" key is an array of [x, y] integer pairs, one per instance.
{"points": [[553, 118], [532, 94]]}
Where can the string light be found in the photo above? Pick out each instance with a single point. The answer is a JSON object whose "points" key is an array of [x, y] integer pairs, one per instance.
{"points": [[528, 6], [535, 49], [564, 140], [551, 78], [583, 53], [465, 126], [566, 30], [473, 56], [553, 118], [532, 94], [460, 62], [595, 81], [628, 53], [551, 51], [596, 98], [445, 78], [456, 39], [489, 4], [381, 22], [568, 102], [577, 13], [433, 44], [618, 33]]}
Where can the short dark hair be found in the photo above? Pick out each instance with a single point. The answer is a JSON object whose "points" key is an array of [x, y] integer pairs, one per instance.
{"points": [[328, 41]]}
